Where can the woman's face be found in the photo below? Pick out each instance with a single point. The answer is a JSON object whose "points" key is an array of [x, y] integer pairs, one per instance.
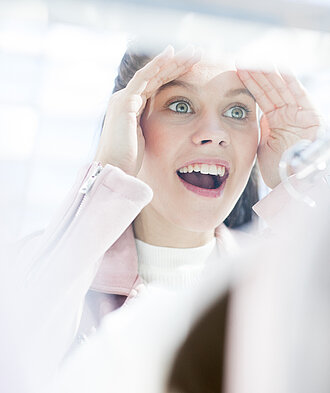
{"points": [[205, 121]]}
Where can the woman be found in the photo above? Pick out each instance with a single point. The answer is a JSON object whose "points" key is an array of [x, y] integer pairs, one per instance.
{"points": [[190, 132], [179, 141]]}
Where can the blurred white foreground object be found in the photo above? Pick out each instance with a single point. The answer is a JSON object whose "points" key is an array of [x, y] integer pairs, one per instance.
{"points": [[308, 161], [278, 326], [279, 330]]}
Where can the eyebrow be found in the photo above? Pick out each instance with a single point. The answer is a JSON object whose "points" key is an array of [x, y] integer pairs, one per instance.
{"points": [[236, 92], [176, 83], [189, 86]]}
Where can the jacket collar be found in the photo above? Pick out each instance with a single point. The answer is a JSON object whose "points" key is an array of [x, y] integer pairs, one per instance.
{"points": [[118, 271]]}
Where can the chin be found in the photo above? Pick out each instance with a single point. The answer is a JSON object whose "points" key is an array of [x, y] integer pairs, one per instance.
{"points": [[199, 222]]}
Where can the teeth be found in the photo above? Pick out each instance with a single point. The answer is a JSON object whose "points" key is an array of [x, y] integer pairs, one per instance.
{"points": [[220, 170], [213, 170], [206, 169]]}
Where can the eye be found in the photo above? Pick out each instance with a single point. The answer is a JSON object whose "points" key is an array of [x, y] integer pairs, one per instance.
{"points": [[236, 112], [180, 107]]}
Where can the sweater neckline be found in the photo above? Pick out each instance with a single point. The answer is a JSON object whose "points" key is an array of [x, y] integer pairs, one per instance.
{"points": [[172, 257], [172, 268]]}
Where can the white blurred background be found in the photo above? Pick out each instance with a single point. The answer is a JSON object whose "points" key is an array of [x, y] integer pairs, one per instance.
{"points": [[58, 61]]}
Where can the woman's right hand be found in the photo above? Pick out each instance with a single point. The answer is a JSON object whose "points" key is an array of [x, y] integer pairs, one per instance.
{"points": [[122, 142]]}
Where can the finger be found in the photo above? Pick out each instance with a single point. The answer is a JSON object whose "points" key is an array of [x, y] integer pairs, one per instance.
{"points": [[179, 65], [134, 103], [268, 88], [174, 67], [297, 90], [141, 78], [189, 55], [184, 61], [280, 85], [142, 106], [266, 105]]}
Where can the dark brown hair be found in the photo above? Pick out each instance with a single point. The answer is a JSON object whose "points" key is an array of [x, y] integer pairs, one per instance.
{"points": [[242, 212]]}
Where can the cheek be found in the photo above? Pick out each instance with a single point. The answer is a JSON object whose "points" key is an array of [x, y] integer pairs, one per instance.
{"points": [[158, 139], [247, 146]]}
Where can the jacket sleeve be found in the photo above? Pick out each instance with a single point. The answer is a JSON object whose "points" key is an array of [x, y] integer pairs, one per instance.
{"points": [[279, 206], [55, 270]]}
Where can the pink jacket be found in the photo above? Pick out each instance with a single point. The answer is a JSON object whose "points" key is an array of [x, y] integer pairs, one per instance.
{"points": [[90, 248], [117, 279]]}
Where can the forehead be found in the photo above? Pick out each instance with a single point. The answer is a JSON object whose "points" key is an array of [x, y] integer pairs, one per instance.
{"points": [[205, 79], [206, 73]]}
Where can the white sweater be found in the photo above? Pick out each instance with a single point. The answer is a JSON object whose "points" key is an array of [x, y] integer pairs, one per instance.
{"points": [[172, 268]]}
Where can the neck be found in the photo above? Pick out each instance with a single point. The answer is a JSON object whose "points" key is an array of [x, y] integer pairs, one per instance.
{"points": [[153, 229]]}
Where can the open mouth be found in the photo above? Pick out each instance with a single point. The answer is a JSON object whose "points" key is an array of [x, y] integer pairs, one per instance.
{"points": [[203, 176]]}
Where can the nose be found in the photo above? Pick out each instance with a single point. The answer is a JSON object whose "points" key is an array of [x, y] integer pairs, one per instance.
{"points": [[211, 131]]}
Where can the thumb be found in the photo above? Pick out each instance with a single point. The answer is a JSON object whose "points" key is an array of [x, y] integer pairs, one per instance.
{"points": [[264, 130], [141, 147]]}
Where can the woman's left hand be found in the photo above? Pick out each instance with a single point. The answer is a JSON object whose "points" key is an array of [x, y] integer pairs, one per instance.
{"points": [[288, 116]]}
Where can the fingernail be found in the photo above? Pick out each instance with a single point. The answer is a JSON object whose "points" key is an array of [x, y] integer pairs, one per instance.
{"points": [[169, 50], [195, 58], [187, 52]]}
